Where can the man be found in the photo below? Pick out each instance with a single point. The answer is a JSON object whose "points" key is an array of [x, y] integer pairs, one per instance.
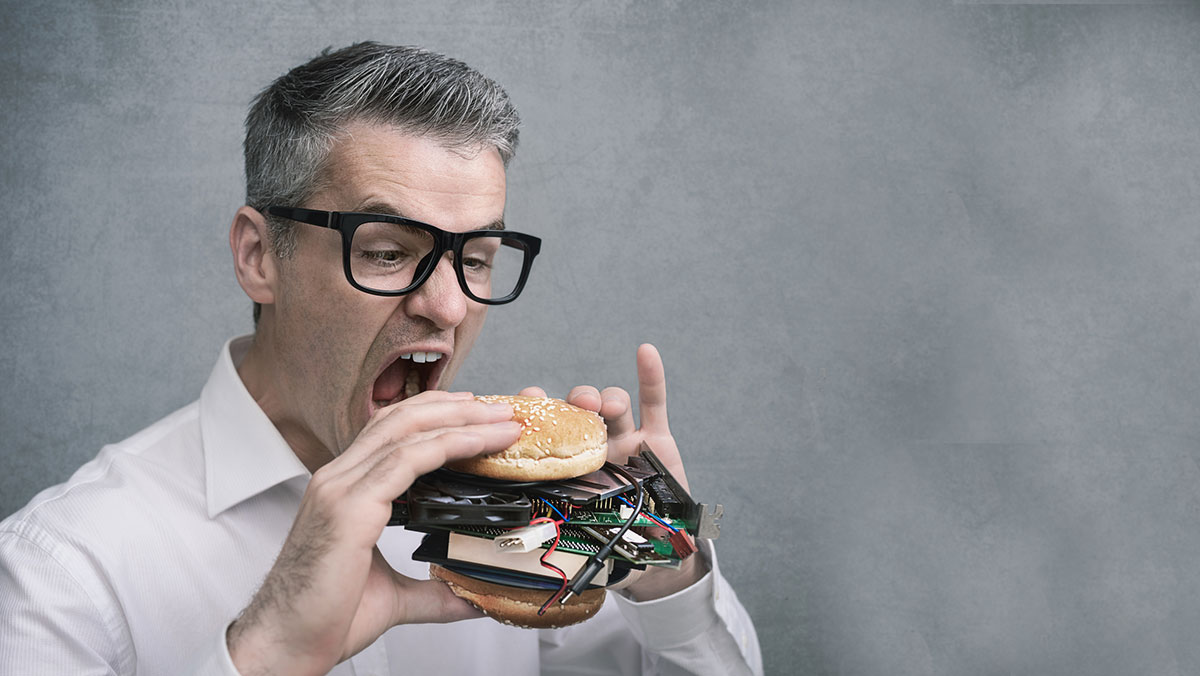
{"points": [[246, 533]]}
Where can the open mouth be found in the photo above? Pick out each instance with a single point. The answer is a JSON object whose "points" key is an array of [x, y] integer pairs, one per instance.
{"points": [[411, 374]]}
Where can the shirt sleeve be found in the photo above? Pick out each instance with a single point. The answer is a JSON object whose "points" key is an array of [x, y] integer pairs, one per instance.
{"points": [[699, 630], [57, 617], [51, 621]]}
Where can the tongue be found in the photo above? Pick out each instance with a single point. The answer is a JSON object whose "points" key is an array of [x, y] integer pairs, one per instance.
{"points": [[391, 383], [412, 384]]}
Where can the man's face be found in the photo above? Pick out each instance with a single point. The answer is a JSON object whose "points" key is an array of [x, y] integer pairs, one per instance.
{"points": [[339, 349]]}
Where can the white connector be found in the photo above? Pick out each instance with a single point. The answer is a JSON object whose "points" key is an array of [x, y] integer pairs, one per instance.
{"points": [[527, 538]]}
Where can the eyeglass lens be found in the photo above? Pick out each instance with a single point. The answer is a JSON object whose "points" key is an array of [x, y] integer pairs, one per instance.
{"points": [[387, 257]]}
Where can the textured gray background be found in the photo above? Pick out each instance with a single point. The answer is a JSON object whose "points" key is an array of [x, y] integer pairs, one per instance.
{"points": [[925, 278]]}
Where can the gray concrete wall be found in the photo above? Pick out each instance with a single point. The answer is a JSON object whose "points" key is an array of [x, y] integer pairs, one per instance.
{"points": [[924, 276]]}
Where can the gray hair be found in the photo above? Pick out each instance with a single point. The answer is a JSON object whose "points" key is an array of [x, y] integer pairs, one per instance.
{"points": [[293, 123]]}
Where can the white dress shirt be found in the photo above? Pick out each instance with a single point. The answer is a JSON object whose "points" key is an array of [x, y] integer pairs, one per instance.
{"points": [[139, 562]]}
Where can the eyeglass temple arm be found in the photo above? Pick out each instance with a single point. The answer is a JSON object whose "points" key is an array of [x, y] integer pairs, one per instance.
{"points": [[310, 216]]}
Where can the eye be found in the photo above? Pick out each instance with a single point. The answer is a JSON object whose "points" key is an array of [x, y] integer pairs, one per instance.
{"points": [[386, 255], [389, 245], [479, 255], [476, 264]]}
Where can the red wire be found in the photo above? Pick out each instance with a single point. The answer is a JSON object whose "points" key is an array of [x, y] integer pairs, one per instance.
{"points": [[554, 545], [551, 566]]}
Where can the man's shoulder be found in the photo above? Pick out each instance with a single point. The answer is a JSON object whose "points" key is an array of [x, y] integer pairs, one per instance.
{"points": [[157, 469]]}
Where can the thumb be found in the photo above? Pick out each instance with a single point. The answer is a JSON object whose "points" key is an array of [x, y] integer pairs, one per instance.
{"points": [[426, 601]]}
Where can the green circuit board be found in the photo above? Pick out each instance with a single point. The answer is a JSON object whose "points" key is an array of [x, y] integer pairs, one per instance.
{"points": [[576, 540]]}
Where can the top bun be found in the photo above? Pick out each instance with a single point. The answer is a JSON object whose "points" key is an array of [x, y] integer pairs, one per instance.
{"points": [[558, 441]]}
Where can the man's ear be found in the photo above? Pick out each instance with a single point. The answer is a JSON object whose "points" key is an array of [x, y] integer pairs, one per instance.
{"points": [[253, 262]]}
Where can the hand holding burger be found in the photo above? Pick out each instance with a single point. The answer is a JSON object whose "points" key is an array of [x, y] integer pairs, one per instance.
{"points": [[625, 436], [559, 440]]}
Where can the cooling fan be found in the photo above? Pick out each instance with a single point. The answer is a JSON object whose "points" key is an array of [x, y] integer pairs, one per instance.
{"points": [[436, 500]]}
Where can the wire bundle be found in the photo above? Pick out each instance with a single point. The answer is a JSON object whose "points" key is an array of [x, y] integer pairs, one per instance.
{"points": [[596, 561], [570, 588], [551, 566]]}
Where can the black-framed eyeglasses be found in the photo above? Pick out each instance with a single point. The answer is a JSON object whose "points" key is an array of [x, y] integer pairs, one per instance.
{"points": [[391, 256]]}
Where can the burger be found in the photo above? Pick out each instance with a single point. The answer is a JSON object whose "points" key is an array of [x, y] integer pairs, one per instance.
{"points": [[558, 441], [516, 606]]}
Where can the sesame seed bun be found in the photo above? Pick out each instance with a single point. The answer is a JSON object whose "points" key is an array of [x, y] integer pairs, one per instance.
{"points": [[558, 441], [519, 607]]}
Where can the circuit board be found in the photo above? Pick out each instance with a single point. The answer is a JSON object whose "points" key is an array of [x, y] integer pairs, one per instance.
{"points": [[580, 519], [576, 539]]}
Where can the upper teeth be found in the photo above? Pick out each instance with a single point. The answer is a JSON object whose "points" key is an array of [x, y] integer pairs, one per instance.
{"points": [[422, 357]]}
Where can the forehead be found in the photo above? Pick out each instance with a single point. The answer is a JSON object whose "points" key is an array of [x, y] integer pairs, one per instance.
{"points": [[414, 176]]}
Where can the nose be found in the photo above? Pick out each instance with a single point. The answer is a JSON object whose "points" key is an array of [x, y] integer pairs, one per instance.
{"points": [[439, 299]]}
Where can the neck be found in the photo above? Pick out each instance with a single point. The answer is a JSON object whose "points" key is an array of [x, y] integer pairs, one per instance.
{"points": [[260, 371]]}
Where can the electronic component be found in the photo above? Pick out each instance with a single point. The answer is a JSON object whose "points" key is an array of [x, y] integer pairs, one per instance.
{"points": [[462, 547], [434, 549], [563, 536], [634, 547], [525, 539], [595, 563], [588, 489], [578, 540], [449, 499], [682, 543], [437, 500], [674, 501]]}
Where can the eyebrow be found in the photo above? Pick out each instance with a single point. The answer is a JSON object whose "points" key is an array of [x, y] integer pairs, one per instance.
{"points": [[388, 210]]}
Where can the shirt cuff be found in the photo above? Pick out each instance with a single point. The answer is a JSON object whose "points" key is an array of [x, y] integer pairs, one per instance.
{"points": [[216, 660], [681, 617]]}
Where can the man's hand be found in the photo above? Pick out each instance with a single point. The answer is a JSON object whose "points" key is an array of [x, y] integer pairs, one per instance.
{"points": [[331, 593], [625, 437]]}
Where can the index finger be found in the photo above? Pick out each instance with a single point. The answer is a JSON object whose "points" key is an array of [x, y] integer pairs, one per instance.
{"points": [[402, 421], [652, 389]]}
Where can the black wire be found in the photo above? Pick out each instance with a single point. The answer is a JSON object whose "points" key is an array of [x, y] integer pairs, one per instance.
{"points": [[641, 500], [563, 587], [594, 563]]}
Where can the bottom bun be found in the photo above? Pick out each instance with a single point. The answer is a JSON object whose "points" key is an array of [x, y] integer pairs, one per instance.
{"points": [[516, 606]]}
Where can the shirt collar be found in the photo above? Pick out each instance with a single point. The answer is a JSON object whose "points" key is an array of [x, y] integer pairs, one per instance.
{"points": [[244, 454]]}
